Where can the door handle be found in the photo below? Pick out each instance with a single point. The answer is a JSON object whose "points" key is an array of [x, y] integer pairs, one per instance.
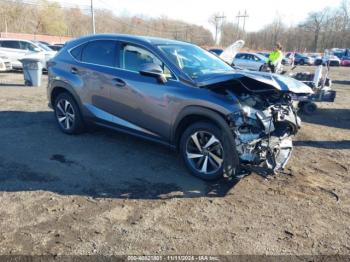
{"points": [[119, 82], [74, 70]]}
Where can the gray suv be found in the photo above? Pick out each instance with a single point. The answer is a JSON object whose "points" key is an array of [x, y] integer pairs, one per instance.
{"points": [[177, 94]]}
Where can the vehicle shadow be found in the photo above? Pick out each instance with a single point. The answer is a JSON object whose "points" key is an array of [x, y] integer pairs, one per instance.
{"points": [[35, 155], [341, 82], [340, 145], [338, 118], [12, 85]]}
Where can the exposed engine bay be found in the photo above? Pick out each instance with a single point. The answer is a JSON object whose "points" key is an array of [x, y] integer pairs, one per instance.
{"points": [[263, 130], [265, 119]]}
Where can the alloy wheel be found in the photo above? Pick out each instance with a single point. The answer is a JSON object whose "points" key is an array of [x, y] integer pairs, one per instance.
{"points": [[204, 152], [65, 114]]}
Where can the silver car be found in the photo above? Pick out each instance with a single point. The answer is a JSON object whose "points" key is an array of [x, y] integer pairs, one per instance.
{"points": [[251, 61]]}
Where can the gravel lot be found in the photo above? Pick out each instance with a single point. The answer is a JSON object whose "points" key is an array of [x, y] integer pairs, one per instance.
{"points": [[108, 193]]}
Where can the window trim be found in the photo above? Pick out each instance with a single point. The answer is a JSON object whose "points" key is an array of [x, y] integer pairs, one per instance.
{"points": [[115, 50], [86, 43], [125, 43], [118, 45]]}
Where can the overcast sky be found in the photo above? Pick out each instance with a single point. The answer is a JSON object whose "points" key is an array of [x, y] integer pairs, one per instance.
{"points": [[198, 11]]}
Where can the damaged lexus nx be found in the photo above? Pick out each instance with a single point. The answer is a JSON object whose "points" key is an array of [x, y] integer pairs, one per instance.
{"points": [[177, 94]]}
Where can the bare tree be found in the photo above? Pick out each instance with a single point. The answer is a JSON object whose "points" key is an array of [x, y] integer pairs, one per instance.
{"points": [[314, 24]]}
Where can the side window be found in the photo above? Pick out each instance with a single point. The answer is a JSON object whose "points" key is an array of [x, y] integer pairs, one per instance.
{"points": [[133, 57], [244, 57], [100, 52], [255, 58], [238, 56], [11, 44], [27, 46], [77, 51]]}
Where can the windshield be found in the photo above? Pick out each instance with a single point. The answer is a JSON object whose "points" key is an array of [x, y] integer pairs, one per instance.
{"points": [[194, 61], [42, 46]]}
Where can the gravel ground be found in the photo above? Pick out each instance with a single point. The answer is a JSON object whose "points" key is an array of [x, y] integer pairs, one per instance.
{"points": [[108, 193]]}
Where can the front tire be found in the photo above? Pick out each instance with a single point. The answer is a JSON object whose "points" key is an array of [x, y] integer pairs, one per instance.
{"points": [[67, 114], [206, 151]]}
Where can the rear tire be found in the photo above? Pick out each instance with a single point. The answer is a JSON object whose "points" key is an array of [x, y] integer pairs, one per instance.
{"points": [[308, 108], [207, 151], [67, 114]]}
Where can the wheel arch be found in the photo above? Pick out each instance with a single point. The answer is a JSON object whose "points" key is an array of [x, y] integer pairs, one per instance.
{"points": [[193, 114], [60, 87]]}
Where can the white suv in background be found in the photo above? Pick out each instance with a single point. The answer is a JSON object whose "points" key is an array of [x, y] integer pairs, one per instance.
{"points": [[16, 49], [5, 63]]}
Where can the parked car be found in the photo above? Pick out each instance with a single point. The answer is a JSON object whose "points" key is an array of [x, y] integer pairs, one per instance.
{"points": [[55, 47], [216, 51], [16, 49], [251, 61], [177, 94], [345, 61], [5, 63], [44, 43], [331, 59], [285, 60], [301, 59]]}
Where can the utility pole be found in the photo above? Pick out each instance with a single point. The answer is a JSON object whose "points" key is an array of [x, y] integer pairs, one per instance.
{"points": [[93, 17], [244, 16], [217, 18], [5, 26]]}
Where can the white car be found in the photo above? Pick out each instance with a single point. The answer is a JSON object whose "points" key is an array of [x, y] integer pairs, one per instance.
{"points": [[251, 61], [16, 49], [332, 60], [5, 63]]}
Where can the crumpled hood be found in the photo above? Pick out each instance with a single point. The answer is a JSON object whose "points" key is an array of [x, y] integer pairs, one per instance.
{"points": [[274, 81]]}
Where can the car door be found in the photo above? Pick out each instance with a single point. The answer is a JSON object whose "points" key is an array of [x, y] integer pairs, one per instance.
{"points": [[141, 102], [240, 60], [13, 50], [92, 73], [249, 62], [256, 62]]}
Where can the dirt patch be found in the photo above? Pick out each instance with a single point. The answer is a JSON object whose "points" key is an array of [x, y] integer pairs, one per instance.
{"points": [[108, 193]]}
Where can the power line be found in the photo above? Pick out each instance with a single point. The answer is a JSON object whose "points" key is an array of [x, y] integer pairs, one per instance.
{"points": [[216, 19], [244, 16], [183, 30], [145, 26]]}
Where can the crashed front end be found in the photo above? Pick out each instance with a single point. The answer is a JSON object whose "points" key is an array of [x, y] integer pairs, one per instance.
{"points": [[266, 122], [263, 132]]}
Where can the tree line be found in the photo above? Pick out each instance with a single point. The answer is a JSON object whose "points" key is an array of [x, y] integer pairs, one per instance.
{"points": [[323, 29], [328, 28], [50, 18]]}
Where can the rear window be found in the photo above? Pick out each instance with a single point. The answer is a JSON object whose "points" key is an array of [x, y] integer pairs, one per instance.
{"points": [[101, 52]]}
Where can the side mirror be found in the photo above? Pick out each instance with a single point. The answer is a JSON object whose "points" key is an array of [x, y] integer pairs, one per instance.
{"points": [[153, 70], [37, 49]]}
